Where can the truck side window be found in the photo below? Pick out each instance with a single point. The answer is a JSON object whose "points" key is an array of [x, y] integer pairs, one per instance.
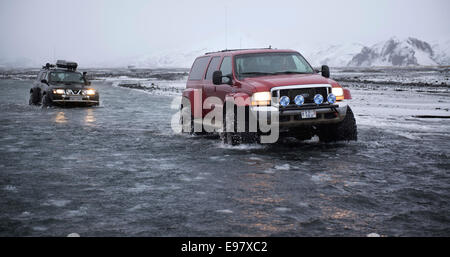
{"points": [[212, 67], [198, 68], [226, 68]]}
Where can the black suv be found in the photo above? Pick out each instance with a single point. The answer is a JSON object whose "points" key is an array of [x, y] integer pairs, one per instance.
{"points": [[62, 85]]}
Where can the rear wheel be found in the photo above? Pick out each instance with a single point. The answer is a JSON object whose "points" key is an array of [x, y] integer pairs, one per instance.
{"points": [[345, 130]]}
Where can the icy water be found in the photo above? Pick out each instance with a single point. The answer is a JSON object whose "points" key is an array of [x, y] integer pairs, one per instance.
{"points": [[119, 170]]}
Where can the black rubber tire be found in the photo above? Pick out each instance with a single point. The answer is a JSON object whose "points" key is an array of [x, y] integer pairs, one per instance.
{"points": [[46, 102], [237, 138], [34, 98], [345, 130]]}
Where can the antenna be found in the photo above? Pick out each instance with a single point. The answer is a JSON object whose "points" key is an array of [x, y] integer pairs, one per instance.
{"points": [[226, 27]]}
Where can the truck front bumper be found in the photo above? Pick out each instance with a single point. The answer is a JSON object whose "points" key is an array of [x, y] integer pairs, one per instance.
{"points": [[79, 100], [292, 117]]}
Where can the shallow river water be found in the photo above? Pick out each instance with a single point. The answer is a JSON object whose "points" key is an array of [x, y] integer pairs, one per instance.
{"points": [[119, 170]]}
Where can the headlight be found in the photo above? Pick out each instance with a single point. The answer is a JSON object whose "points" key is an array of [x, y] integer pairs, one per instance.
{"points": [[318, 99], [261, 98], [338, 92], [331, 98], [285, 101], [299, 100], [89, 91], [59, 91]]}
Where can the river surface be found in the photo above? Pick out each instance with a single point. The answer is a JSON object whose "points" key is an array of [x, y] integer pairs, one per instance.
{"points": [[120, 170]]}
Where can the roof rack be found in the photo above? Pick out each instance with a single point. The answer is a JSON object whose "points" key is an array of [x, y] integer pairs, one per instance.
{"points": [[61, 64], [67, 65], [231, 50]]}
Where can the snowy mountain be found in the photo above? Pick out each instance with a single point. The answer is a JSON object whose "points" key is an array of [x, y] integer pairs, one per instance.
{"points": [[334, 55], [393, 52], [442, 52], [167, 59]]}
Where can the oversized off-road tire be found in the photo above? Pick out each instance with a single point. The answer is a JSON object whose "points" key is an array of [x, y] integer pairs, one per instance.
{"points": [[46, 102], [34, 98], [345, 130], [234, 137]]}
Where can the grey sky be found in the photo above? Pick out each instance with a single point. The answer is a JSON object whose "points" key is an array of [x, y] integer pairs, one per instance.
{"points": [[90, 30]]}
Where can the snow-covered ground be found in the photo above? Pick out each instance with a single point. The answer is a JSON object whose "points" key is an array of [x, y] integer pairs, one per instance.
{"points": [[399, 77]]}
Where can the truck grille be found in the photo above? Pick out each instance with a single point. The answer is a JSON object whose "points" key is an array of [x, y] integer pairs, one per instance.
{"points": [[308, 93], [73, 91]]}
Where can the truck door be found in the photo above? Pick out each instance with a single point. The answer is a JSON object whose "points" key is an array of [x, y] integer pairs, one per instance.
{"points": [[226, 67]]}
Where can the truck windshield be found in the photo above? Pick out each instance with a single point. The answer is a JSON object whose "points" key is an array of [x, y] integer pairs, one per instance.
{"points": [[263, 64], [66, 77]]}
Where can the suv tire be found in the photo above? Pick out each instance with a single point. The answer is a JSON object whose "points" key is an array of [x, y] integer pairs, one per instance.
{"points": [[234, 137], [46, 102], [343, 131]]}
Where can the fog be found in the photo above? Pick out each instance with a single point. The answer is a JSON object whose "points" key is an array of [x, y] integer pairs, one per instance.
{"points": [[110, 33]]}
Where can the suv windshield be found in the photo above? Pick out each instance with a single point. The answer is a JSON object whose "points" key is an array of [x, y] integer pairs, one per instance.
{"points": [[262, 64], [66, 77]]}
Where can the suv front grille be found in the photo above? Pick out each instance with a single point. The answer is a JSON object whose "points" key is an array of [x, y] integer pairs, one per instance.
{"points": [[73, 91], [308, 93]]}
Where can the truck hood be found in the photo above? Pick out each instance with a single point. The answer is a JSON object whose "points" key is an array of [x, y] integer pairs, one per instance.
{"points": [[68, 85], [265, 83]]}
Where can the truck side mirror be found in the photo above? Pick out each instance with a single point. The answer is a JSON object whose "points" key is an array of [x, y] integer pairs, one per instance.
{"points": [[44, 81], [325, 71], [86, 82], [217, 77]]}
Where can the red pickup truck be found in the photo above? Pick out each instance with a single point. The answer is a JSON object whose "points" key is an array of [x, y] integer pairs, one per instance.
{"points": [[250, 95]]}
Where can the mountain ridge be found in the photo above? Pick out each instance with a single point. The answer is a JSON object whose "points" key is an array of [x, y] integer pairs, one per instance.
{"points": [[392, 52]]}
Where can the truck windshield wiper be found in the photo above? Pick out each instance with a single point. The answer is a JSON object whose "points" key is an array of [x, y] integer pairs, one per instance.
{"points": [[290, 72], [256, 73]]}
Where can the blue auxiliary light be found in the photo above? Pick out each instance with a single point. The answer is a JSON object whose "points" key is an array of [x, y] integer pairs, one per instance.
{"points": [[318, 99], [284, 101], [331, 98], [299, 100]]}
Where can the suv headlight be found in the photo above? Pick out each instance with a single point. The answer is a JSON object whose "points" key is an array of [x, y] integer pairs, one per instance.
{"points": [[338, 92], [59, 91], [261, 98], [89, 91]]}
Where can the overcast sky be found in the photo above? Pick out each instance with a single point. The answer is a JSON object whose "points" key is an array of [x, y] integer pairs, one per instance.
{"points": [[108, 30]]}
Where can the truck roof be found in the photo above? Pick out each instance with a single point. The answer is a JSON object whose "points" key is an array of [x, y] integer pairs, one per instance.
{"points": [[247, 51]]}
